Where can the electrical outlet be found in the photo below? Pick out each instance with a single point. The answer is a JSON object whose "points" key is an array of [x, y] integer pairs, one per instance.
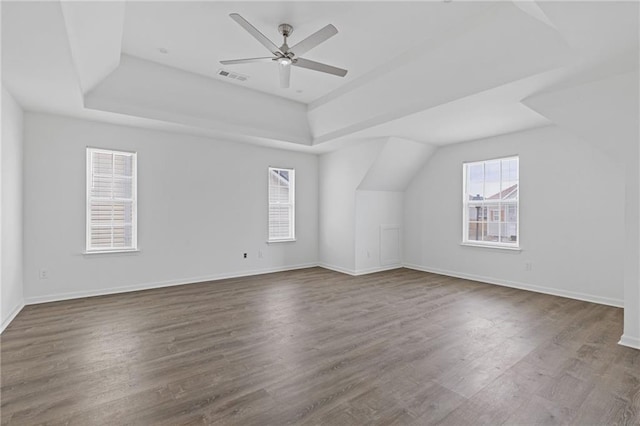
{"points": [[528, 266], [245, 255], [260, 254], [368, 254], [43, 274]]}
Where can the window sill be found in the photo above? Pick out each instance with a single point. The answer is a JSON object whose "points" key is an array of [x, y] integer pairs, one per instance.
{"points": [[94, 252], [290, 240], [492, 246]]}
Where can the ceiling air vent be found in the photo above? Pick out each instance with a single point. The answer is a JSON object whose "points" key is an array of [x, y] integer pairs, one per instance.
{"points": [[232, 75]]}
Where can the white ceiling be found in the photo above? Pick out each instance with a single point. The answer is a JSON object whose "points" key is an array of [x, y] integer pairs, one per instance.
{"points": [[433, 72], [197, 35]]}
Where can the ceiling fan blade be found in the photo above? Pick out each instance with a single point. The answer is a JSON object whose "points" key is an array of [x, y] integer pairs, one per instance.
{"points": [[314, 39], [285, 75], [246, 61], [317, 66], [255, 33]]}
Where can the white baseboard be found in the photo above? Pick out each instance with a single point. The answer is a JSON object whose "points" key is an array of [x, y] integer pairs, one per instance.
{"points": [[148, 286], [11, 316], [618, 303], [632, 342], [376, 269], [357, 272], [337, 269]]}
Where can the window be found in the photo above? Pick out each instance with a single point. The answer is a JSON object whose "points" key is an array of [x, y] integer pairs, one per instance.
{"points": [[491, 203], [281, 204], [111, 200]]}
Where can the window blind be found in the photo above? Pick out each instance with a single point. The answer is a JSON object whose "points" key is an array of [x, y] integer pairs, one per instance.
{"points": [[281, 204], [111, 200]]}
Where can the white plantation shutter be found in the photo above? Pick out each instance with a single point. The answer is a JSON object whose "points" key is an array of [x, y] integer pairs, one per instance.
{"points": [[111, 200], [281, 204]]}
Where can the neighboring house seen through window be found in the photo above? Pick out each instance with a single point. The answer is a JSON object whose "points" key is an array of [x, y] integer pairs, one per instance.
{"points": [[111, 201], [491, 203], [281, 204]]}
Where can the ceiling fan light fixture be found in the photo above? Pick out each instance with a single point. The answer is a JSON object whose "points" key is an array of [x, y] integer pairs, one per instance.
{"points": [[285, 61]]}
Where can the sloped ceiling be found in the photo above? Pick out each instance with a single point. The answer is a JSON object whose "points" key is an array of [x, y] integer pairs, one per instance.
{"points": [[431, 72], [94, 32], [604, 112], [438, 73], [396, 164], [147, 89]]}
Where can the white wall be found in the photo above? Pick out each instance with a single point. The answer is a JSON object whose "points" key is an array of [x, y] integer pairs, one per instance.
{"points": [[361, 188], [202, 203], [373, 209], [572, 217], [605, 113], [11, 230], [341, 172]]}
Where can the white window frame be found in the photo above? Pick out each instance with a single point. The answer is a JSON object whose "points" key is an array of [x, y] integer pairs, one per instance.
{"points": [[134, 195], [291, 204], [466, 204]]}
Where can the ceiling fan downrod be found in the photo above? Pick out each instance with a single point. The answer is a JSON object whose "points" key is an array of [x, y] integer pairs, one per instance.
{"points": [[285, 30]]}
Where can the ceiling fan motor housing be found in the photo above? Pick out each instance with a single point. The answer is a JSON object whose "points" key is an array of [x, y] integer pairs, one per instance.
{"points": [[285, 29]]}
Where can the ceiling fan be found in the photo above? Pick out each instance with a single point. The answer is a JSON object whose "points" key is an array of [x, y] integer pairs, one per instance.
{"points": [[287, 56]]}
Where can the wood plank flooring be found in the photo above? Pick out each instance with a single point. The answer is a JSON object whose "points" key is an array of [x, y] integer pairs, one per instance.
{"points": [[318, 347]]}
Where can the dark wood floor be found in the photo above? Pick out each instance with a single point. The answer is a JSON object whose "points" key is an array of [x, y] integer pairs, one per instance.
{"points": [[319, 347]]}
